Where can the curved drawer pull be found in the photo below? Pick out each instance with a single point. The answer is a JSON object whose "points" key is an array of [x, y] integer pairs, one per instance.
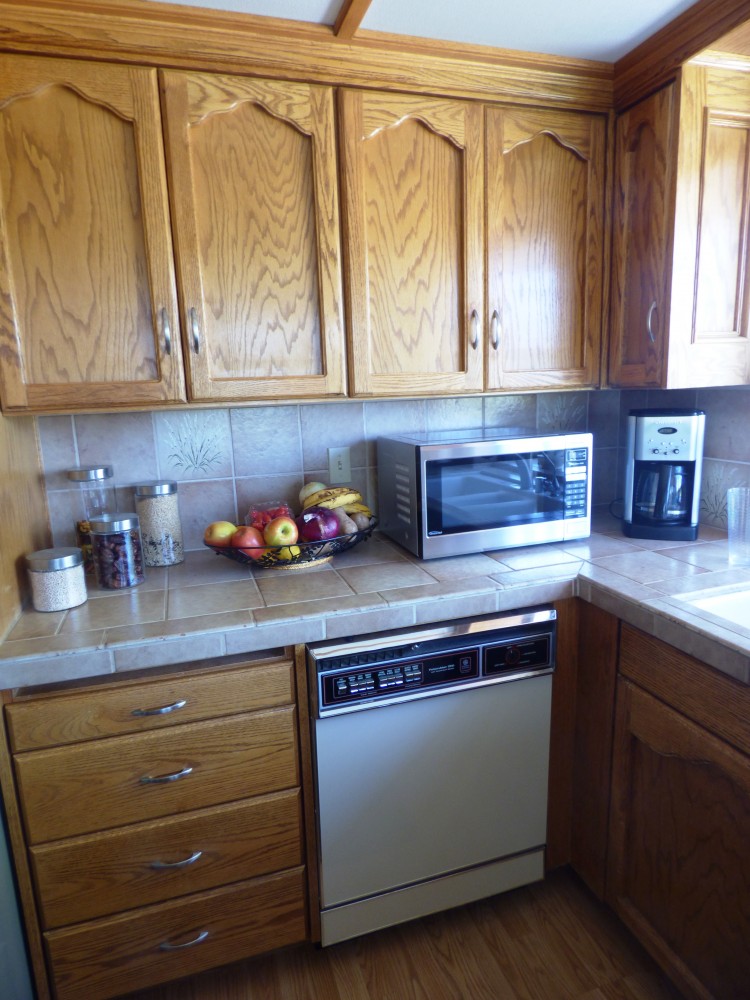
{"points": [[474, 324], [162, 779], [195, 330], [650, 321], [168, 946], [162, 865], [167, 331], [163, 710], [494, 330]]}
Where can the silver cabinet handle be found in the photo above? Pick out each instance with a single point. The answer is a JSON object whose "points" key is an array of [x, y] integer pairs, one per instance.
{"points": [[170, 865], [163, 710], [649, 321], [195, 330], [168, 946], [162, 779], [166, 330], [474, 322], [494, 330]]}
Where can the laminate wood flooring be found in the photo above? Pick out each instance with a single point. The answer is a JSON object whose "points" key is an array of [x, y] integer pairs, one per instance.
{"points": [[549, 941]]}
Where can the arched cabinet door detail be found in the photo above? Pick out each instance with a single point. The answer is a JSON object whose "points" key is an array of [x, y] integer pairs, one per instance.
{"points": [[412, 196], [88, 308], [545, 247], [255, 214]]}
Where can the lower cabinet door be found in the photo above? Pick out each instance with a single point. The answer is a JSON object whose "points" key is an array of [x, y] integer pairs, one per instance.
{"points": [[141, 948], [87, 877], [679, 857]]}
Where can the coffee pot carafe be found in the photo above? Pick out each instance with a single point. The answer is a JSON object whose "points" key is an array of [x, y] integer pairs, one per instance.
{"points": [[663, 473]]}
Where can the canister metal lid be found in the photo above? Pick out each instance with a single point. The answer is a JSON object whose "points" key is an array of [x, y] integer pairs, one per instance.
{"points": [[157, 488], [49, 560], [90, 473], [106, 523]]}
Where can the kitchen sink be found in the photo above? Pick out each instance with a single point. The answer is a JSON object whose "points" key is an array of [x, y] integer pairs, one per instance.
{"points": [[734, 606]]}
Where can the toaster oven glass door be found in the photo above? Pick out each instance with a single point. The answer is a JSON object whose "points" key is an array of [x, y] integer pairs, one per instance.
{"points": [[469, 494]]}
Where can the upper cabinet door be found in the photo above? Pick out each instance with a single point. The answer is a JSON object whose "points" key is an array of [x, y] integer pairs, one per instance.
{"points": [[88, 310], [641, 249], [709, 338], [545, 247], [413, 197], [252, 167]]}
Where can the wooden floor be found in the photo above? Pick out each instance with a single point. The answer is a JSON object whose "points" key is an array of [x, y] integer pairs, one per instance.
{"points": [[551, 941]]}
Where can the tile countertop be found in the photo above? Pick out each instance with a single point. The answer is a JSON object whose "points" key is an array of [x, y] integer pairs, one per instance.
{"points": [[210, 606]]}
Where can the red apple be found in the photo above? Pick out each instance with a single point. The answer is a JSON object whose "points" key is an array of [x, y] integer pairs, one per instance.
{"points": [[250, 541], [316, 524], [219, 533], [280, 531]]}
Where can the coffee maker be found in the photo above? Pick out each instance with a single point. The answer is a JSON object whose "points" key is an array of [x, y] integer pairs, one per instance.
{"points": [[663, 474]]}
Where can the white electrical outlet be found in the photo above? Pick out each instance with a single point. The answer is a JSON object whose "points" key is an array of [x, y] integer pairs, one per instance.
{"points": [[339, 466]]}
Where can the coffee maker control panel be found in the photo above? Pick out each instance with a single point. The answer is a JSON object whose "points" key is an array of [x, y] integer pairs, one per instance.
{"points": [[667, 437]]}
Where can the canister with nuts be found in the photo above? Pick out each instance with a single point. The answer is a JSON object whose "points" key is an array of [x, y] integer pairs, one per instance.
{"points": [[117, 550]]}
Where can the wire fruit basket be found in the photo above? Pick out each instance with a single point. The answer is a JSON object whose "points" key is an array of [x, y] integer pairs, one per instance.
{"points": [[295, 556]]}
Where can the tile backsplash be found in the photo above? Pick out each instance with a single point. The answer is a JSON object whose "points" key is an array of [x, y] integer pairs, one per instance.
{"points": [[225, 458]]}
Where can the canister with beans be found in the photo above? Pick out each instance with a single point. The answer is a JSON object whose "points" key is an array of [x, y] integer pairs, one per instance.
{"points": [[117, 550]]}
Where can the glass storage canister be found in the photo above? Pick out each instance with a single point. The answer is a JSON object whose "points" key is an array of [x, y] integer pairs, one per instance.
{"points": [[117, 550], [97, 497], [161, 529], [57, 579]]}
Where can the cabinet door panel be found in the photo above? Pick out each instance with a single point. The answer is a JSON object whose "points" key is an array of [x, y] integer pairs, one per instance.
{"points": [[679, 870], [86, 274], [545, 246], [643, 223], [252, 165], [413, 224], [708, 342]]}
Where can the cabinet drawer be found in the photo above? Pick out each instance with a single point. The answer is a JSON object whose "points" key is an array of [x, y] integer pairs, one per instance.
{"points": [[96, 875], [117, 709], [124, 953], [93, 786], [712, 699]]}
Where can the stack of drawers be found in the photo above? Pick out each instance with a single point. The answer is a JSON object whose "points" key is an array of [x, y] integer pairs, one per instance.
{"points": [[163, 823]]}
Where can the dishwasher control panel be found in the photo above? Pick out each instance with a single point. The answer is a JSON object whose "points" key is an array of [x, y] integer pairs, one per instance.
{"points": [[428, 660], [342, 686]]}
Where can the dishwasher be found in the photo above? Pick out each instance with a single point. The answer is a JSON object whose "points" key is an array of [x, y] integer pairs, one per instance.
{"points": [[431, 759]]}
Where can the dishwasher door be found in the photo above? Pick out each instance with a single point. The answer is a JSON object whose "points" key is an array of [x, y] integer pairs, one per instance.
{"points": [[417, 790]]}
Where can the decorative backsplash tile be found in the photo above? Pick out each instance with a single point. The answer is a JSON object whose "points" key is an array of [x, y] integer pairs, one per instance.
{"points": [[194, 444]]}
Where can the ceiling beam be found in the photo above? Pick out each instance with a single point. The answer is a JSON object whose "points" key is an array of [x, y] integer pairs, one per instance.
{"points": [[350, 17], [655, 61]]}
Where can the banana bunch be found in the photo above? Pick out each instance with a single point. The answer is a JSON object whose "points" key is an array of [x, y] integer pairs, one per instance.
{"points": [[347, 504], [333, 497]]}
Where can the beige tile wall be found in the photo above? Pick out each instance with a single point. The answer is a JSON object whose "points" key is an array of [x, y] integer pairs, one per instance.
{"points": [[223, 459]]}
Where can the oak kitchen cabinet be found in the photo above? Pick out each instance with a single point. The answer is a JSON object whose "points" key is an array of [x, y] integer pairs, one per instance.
{"points": [[679, 304], [428, 311], [163, 822], [253, 185], [545, 247], [90, 315], [88, 307], [678, 865]]}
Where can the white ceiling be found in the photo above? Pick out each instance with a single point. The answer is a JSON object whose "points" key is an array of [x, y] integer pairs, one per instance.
{"points": [[586, 29]]}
